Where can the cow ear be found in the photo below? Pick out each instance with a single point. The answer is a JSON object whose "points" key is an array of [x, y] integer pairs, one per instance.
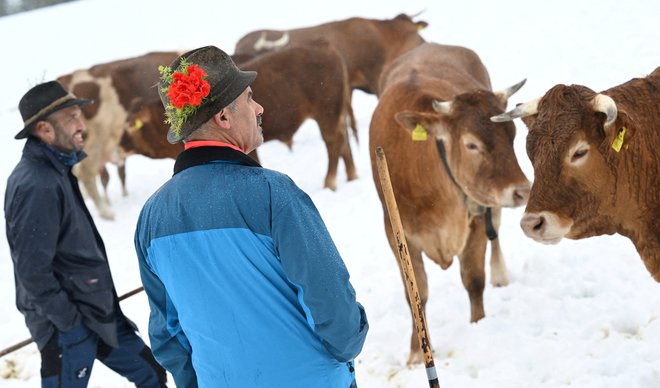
{"points": [[623, 120], [430, 122]]}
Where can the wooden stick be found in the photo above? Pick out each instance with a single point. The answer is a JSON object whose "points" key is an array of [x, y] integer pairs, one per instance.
{"points": [[28, 341], [406, 265]]}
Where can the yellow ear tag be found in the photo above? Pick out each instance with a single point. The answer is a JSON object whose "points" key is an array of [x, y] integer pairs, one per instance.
{"points": [[138, 124], [618, 141], [419, 133]]}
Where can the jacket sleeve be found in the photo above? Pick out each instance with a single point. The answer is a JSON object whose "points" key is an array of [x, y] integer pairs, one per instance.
{"points": [[311, 261], [33, 225], [169, 343]]}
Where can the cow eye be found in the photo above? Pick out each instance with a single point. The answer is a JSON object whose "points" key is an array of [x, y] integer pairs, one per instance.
{"points": [[472, 146], [579, 154]]}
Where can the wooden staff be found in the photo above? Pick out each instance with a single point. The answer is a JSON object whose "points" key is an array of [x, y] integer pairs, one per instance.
{"points": [[28, 341], [406, 265]]}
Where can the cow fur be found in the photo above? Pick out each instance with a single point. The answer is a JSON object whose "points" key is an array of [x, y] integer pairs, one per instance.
{"points": [[582, 186], [113, 86], [306, 82], [366, 45], [293, 84], [436, 214]]}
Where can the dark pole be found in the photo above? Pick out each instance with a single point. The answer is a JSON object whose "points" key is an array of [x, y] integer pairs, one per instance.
{"points": [[28, 341]]}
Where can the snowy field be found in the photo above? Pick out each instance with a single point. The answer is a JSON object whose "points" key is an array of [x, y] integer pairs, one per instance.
{"points": [[581, 313]]}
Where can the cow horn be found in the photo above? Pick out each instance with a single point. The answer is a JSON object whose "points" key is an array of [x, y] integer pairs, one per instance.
{"points": [[264, 44], [508, 92], [443, 107], [417, 14], [605, 104], [527, 109]]}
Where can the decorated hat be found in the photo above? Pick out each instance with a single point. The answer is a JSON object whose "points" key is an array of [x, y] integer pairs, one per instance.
{"points": [[196, 86], [42, 101]]}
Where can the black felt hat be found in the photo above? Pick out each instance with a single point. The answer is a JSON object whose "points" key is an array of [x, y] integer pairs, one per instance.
{"points": [[43, 100], [226, 82]]}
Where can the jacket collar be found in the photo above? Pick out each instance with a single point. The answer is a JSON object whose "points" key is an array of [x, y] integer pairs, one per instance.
{"points": [[203, 155], [35, 148]]}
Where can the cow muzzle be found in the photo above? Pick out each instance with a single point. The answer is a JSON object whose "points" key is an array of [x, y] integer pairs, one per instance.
{"points": [[545, 227]]}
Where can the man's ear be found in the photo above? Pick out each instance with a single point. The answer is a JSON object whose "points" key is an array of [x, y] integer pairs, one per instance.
{"points": [[44, 131], [221, 119]]}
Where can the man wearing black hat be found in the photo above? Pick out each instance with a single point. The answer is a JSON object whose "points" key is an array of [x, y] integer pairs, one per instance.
{"points": [[245, 284], [64, 287]]}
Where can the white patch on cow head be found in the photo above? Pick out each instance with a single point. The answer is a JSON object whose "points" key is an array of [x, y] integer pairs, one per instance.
{"points": [[578, 153]]}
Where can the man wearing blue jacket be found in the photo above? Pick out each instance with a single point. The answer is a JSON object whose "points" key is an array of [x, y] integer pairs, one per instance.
{"points": [[245, 285], [64, 287]]}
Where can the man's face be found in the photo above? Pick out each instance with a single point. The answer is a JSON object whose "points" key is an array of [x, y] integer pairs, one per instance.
{"points": [[246, 121], [67, 130]]}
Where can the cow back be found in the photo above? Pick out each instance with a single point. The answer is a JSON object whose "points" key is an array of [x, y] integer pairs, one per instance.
{"points": [[366, 45]]}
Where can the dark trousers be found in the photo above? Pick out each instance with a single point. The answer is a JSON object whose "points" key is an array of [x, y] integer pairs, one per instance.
{"points": [[67, 359]]}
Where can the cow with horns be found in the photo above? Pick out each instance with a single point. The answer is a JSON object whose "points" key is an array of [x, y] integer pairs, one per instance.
{"points": [[596, 164], [449, 190], [366, 45]]}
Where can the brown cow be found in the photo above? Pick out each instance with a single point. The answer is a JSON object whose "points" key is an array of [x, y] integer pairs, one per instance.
{"points": [[306, 82], [445, 91], [596, 164], [113, 86], [145, 134], [366, 45], [294, 84], [146, 131]]}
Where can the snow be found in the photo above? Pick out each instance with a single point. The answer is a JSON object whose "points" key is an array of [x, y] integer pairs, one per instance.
{"points": [[579, 313]]}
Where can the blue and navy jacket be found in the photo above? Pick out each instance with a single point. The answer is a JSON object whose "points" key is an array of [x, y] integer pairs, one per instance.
{"points": [[245, 285]]}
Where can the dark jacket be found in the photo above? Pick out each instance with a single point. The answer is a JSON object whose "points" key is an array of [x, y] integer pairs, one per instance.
{"points": [[60, 264]]}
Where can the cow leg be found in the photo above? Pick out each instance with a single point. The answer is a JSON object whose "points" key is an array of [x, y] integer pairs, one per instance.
{"points": [[105, 178], [498, 273], [334, 143], [121, 171], [473, 262], [416, 356], [87, 174], [347, 155]]}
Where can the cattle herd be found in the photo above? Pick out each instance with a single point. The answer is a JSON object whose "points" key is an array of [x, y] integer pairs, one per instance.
{"points": [[595, 164]]}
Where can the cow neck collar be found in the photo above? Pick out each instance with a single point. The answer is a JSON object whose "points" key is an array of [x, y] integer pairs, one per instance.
{"points": [[196, 156], [473, 207]]}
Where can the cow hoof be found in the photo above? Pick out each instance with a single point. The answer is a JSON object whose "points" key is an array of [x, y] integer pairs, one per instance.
{"points": [[331, 184], [415, 358], [107, 215], [499, 280], [499, 276]]}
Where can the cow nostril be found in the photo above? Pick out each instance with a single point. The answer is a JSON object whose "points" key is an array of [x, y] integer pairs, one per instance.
{"points": [[533, 224], [539, 224]]}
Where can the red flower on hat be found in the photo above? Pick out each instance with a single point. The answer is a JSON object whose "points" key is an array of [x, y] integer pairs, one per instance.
{"points": [[188, 87]]}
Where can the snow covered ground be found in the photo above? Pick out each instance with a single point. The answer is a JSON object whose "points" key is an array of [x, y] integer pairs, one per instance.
{"points": [[581, 313]]}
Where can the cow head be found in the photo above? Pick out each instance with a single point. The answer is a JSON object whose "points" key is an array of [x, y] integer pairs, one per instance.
{"points": [[480, 153], [569, 140]]}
